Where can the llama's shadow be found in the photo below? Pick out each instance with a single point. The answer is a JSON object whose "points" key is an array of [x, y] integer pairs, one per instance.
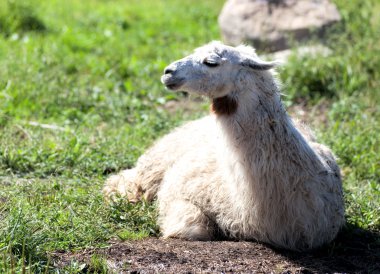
{"points": [[355, 250]]}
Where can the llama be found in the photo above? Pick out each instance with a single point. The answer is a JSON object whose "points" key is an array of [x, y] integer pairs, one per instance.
{"points": [[247, 171]]}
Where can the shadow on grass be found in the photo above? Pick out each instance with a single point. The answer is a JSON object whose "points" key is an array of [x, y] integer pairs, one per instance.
{"points": [[18, 17], [355, 250]]}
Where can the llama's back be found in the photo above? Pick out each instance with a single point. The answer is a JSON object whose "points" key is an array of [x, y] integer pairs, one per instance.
{"points": [[144, 180]]}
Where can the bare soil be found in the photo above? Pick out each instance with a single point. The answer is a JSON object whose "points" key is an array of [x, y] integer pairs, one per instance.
{"points": [[312, 115], [354, 251]]}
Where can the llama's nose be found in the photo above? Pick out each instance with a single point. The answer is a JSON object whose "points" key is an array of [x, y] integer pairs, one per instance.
{"points": [[168, 70]]}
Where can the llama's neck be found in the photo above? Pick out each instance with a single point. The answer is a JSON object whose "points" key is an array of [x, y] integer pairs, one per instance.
{"points": [[261, 148]]}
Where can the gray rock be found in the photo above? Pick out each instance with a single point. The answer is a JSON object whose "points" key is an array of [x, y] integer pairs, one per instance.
{"points": [[273, 24]]}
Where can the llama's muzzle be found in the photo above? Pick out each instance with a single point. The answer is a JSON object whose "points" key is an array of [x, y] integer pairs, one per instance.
{"points": [[170, 80]]}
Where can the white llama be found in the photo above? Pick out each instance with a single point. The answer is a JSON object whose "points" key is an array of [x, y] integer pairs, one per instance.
{"points": [[247, 171]]}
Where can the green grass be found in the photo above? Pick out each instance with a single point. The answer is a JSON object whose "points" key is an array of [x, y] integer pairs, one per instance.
{"points": [[80, 98]]}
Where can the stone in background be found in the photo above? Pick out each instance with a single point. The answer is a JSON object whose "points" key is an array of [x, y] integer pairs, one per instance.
{"points": [[272, 24]]}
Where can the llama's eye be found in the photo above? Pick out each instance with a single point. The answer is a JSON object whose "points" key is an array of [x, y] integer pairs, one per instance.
{"points": [[210, 63]]}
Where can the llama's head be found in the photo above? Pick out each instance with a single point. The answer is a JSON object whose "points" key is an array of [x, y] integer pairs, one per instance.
{"points": [[213, 70]]}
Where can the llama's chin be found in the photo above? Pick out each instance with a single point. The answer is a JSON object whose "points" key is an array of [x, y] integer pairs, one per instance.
{"points": [[173, 86]]}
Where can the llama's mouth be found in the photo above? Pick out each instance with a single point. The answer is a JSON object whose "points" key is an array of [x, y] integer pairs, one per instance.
{"points": [[172, 83], [173, 86]]}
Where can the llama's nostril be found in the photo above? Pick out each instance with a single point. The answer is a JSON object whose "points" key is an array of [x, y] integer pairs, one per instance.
{"points": [[168, 70]]}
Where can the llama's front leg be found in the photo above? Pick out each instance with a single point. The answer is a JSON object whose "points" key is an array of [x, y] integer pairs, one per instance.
{"points": [[182, 219], [124, 185]]}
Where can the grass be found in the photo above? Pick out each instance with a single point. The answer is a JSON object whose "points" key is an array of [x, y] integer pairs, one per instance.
{"points": [[80, 98]]}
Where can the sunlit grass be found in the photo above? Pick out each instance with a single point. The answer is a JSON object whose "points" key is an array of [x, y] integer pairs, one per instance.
{"points": [[80, 98]]}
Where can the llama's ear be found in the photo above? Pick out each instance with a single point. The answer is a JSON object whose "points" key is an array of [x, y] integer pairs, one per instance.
{"points": [[258, 64]]}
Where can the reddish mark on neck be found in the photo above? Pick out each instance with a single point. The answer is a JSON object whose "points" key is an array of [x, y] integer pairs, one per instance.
{"points": [[224, 105]]}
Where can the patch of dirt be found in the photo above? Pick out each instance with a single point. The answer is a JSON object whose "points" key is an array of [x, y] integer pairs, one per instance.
{"points": [[357, 251], [311, 115], [187, 105]]}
